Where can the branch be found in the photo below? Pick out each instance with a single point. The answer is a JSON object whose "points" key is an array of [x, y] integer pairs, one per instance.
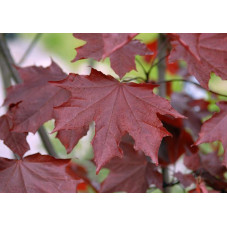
{"points": [[8, 59], [162, 92], [170, 184], [135, 78], [144, 70], [5, 52], [161, 50], [5, 73], [188, 81], [46, 142]]}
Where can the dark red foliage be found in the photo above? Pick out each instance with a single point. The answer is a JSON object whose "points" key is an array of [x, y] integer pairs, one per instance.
{"points": [[118, 46], [132, 173], [177, 144], [204, 53], [35, 97], [215, 129], [209, 169], [69, 138], [194, 110], [16, 141], [185, 179], [37, 173], [116, 108], [138, 134]]}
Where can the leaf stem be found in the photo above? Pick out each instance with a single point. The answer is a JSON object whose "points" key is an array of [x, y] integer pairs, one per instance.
{"points": [[192, 82], [6, 55], [170, 184]]}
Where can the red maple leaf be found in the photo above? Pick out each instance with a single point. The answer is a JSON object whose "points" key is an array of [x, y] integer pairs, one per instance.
{"points": [[194, 109], [204, 53], [132, 173], [215, 129], [16, 141], [37, 173], [118, 46], [35, 97], [116, 108], [192, 161], [69, 138], [177, 144], [185, 179], [209, 168]]}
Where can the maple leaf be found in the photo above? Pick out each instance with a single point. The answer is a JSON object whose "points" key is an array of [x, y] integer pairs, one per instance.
{"points": [[116, 108], [185, 179], [37, 173], [215, 129], [204, 54], [132, 173], [192, 161], [194, 109], [209, 168], [214, 182], [118, 46], [35, 97], [14, 140], [211, 163], [182, 141], [69, 138], [176, 145]]}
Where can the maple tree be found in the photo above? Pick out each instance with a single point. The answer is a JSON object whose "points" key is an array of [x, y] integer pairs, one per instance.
{"points": [[145, 128]]}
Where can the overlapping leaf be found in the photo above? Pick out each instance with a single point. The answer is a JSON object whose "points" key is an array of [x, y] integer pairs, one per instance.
{"points": [[204, 54], [16, 141], [185, 179], [37, 173], [209, 168], [118, 46], [215, 129], [194, 109], [181, 141], [176, 145], [132, 173], [69, 138], [35, 97], [116, 108]]}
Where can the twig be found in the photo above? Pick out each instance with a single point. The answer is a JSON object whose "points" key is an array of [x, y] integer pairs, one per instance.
{"points": [[170, 184], [162, 93], [144, 70], [10, 62], [30, 47], [46, 142], [158, 62], [161, 46], [188, 81], [5, 73], [8, 59], [135, 78]]}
